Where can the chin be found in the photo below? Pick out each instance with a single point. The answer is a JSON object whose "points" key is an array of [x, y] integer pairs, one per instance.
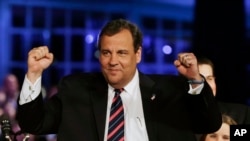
{"points": [[113, 80]]}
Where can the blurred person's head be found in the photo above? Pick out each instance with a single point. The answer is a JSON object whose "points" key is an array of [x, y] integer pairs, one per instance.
{"points": [[52, 91], [10, 110], [223, 134], [2, 98], [11, 86], [206, 68]]}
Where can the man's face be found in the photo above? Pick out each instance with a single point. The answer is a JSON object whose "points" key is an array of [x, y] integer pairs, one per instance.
{"points": [[118, 59], [11, 85], [207, 71]]}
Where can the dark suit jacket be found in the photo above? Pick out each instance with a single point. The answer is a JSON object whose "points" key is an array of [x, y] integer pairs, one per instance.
{"points": [[78, 111], [239, 112]]}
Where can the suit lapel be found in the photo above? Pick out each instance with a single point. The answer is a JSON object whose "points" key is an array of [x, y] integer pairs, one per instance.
{"points": [[149, 103], [99, 100]]}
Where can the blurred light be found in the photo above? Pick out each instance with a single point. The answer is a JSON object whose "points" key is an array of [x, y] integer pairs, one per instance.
{"points": [[146, 41], [89, 39], [167, 49], [46, 34], [179, 2]]}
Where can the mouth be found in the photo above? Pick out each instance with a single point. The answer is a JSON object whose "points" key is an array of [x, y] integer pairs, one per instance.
{"points": [[113, 71]]}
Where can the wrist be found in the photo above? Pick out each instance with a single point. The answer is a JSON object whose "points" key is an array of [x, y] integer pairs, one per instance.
{"points": [[193, 81], [32, 77]]}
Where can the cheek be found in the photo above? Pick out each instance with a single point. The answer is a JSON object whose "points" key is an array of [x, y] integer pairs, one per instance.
{"points": [[103, 61], [128, 63], [209, 139], [211, 84]]}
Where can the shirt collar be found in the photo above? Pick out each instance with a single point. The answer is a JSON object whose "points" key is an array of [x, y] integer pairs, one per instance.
{"points": [[132, 85]]}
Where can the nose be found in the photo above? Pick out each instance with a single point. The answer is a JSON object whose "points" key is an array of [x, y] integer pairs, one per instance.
{"points": [[113, 59], [220, 139]]}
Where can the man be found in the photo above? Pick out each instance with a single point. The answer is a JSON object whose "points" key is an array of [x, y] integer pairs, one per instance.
{"points": [[239, 112], [11, 88], [155, 107]]}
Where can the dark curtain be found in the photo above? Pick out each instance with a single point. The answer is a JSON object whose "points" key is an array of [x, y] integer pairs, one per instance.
{"points": [[219, 34]]}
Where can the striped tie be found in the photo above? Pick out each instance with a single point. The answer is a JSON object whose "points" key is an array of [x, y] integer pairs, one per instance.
{"points": [[116, 118]]}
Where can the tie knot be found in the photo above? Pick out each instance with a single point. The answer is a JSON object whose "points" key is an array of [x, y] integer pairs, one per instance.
{"points": [[118, 91]]}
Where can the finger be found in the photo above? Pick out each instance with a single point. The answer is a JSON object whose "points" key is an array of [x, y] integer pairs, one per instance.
{"points": [[47, 53], [177, 63], [43, 50], [46, 49], [37, 53], [186, 60], [49, 56]]}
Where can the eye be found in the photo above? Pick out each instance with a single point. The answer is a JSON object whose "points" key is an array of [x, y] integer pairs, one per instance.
{"points": [[105, 53], [122, 52], [210, 78], [226, 137], [212, 135]]}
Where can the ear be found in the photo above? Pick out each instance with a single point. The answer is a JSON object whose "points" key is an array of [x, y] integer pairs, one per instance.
{"points": [[138, 55]]}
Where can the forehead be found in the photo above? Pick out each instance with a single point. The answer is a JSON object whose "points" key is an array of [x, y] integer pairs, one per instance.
{"points": [[121, 39], [224, 129], [205, 70]]}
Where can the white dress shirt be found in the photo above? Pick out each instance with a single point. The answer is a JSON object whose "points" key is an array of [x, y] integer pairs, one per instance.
{"points": [[135, 127]]}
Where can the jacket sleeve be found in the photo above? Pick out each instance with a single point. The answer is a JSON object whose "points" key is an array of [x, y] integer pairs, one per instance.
{"points": [[204, 111], [32, 118]]}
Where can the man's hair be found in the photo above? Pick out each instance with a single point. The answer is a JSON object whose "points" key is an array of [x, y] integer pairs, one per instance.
{"points": [[115, 26]]}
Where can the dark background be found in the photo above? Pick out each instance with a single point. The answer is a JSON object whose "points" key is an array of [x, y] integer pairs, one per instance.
{"points": [[219, 30]]}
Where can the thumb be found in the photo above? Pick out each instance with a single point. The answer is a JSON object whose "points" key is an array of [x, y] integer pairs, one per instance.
{"points": [[49, 56], [177, 63]]}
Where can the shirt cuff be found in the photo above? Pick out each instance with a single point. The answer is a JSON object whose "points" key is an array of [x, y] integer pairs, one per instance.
{"points": [[197, 90], [30, 91]]}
